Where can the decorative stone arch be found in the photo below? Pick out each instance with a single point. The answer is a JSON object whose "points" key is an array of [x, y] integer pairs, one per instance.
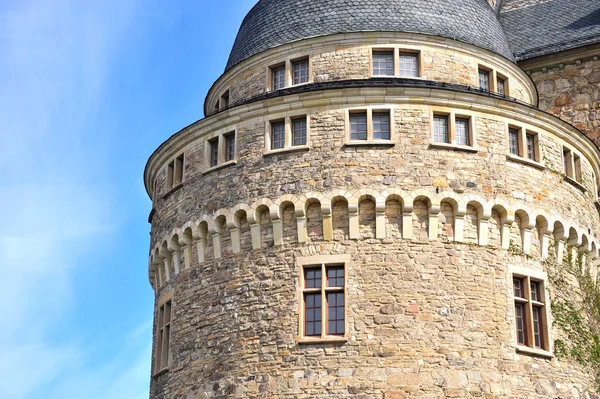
{"points": [[594, 261], [165, 257], [483, 213], [544, 230], [526, 225], [324, 216], [202, 238], [560, 233], [574, 240], [432, 207], [185, 241], [391, 196], [234, 224], [255, 218], [449, 203], [216, 230], [281, 227], [584, 251], [174, 249], [362, 217], [154, 270]]}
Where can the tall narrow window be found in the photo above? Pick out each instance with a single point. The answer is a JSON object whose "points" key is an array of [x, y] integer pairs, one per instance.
{"points": [[484, 79], [299, 131], [178, 178], [383, 63], [440, 129], [278, 77], [568, 162], [214, 151], [358, 126], [409, 65], [170, 175], [381, 125], [530, 142], [529, 312], [462, 131], [163, 337], [324, 300], [225, 99], [277, 135], [300, 71], [501, 85], [577, 165], [230, 147], [513, 139]]}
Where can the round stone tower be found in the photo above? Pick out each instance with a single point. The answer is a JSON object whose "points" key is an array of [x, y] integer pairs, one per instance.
{"points": [[373, 207]]}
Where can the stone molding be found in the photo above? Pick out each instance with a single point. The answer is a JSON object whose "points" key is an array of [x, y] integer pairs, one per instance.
{"points": [[564, 235]]}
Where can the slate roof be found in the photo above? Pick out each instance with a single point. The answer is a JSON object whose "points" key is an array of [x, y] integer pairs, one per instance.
{"points": [[272, 23], [536, 28]]}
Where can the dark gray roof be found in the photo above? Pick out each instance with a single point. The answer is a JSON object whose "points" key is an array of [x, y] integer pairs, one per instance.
{"points": [[538, 27], [272, 23]]}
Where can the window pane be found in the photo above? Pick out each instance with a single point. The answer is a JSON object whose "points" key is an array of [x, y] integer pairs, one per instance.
{"points": [[312, 278], [484, 79], [500, 83], [335, 276], [335, 313], [229, 147], [358, 126], [531, 146], [312, 314], [537, 327], [513, 135], [518, 284], [462, 131], [300, 70], [381, 125], [383, 63], [440, 129], [277, 135], [278, 78], [520, 322], [299, 131], [534, 291], [409, 65], [214, 153]]}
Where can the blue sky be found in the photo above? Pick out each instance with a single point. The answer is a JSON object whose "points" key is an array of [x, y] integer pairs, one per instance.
{"points": [[88, 89]]}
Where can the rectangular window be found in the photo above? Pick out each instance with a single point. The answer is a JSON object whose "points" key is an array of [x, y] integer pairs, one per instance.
{"points": [[484, 79], [381, 125], [500, 83], [529, 312], [299, 131], [178, 178], [513, 138], [358, 126], [577, 165], [229, 147], [225, 99], [214, 151], [383, 63], [170, 175], [277, 135], [278, 77], [163, 337], [531, 150], [568, 162], [409, 65], [300, 71], [462, 131], [440, 129], [324, 300]]}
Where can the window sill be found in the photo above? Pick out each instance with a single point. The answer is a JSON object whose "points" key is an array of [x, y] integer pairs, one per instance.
{"points": [[173, 190], [526, 161], [319, 340], [161, 372], [455, 147], [223, 165], [384, 143], [576, 183], [287, 149], [535, 352]]}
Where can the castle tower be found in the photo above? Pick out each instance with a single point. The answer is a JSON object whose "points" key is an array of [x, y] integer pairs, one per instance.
{"points": [[375, 206]]}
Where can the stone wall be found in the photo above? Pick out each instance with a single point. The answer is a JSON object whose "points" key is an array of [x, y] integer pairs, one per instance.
{"points": [[572, 92], [340, 58]]}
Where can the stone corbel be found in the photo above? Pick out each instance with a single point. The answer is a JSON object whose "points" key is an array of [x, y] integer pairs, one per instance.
{"points": [[380, 218], [216, 233], [327, 220], [353, 222], [301, 223], [174, 249], [277, 223], [434, 215], [459, 223], [505, 235], [233, 225], [407, 223], [200, 238], [527, 235], [186, 247], [254, 223]]}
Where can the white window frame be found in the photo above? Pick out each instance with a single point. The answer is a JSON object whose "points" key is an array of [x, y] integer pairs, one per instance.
{"points": [[287, 119], [396, 50], [452, 144]]}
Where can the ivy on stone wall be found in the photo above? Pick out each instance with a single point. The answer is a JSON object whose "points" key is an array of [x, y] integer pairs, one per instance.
{"points": [[576, 314]]}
